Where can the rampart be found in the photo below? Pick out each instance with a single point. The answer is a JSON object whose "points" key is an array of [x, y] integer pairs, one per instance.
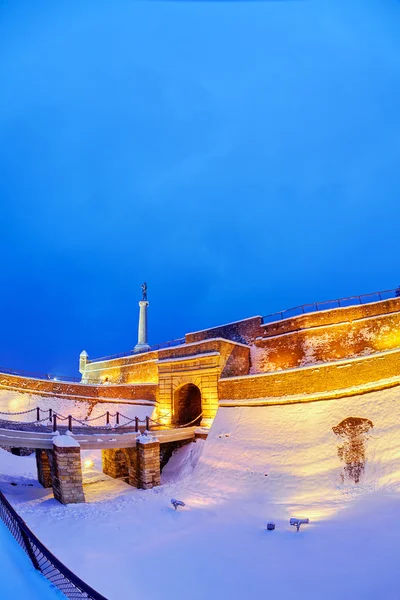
{"points": [[343, 375], [315, 337]]}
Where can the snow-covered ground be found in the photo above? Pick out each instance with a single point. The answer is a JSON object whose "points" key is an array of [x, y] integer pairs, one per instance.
{"points": [[19, 580], [258, 464]]}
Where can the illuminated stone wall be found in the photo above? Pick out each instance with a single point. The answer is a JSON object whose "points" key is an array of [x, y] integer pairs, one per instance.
{"points": [[243, 332], [355, 336], [136, 368], [316, 337], [313, 380]]}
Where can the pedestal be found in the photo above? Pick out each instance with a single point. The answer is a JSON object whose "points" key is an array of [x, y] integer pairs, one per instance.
{"points": [[142, 344]]}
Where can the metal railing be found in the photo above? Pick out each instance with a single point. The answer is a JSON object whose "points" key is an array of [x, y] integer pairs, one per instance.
{"points": [[329, 304], [34, 375], [42, 559], [161, 346]]}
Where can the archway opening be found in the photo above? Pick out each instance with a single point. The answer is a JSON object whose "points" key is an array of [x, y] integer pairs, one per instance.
{"points": [[187, 405]]}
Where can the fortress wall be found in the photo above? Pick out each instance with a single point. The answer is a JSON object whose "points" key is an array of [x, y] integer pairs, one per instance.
{"points": [[235, 359], [243, 332], [352, 337], [77, 391], [312, 380], [315, 337], [136, 368], [331, 317]]}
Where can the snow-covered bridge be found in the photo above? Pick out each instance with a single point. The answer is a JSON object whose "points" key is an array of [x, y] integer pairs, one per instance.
{"points": [[127, 454]]}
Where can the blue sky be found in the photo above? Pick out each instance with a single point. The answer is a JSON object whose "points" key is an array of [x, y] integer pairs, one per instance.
{"points": [[242, 157]]}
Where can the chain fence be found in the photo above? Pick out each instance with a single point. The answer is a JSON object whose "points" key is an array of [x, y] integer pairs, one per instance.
{"points": [[52, 421], [42, 559]]}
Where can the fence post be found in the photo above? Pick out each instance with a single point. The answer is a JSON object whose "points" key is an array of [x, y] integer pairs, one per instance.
{"points": [[37, 413], [117, 418], [29, 550], [108, 418], [147, 423], [54, 422], [136, 424], [70, 423], [50, 414]]}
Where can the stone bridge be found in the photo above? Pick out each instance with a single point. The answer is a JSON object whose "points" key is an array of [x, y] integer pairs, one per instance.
{"points": [[133, 456]]}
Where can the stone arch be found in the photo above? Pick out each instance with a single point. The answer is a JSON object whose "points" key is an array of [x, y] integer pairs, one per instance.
{"points": [[187, 404]]}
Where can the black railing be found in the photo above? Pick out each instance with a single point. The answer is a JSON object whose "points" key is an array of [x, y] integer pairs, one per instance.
{"points": [[42, 559], [161, 346], [34, 375], [329, 304]]}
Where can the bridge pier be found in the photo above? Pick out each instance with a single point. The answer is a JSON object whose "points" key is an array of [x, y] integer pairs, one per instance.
{"points": [[43, 468], [67, 470], [115, 463], [147, 473], [139, 466]]}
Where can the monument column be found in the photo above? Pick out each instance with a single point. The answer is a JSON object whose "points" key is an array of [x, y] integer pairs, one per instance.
{"points": [[142, 329]]}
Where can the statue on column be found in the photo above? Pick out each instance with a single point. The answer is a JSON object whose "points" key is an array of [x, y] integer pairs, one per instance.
{"points": [[144, 291]]}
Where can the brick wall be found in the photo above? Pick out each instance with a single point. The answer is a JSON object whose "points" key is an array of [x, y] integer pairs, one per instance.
{"points": [[136, 368], [311, 380], [235, 359], [353, 335], [329, 317], [241, 331]]}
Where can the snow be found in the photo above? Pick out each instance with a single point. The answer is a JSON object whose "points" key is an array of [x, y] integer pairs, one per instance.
{"points": [[65, 441], [146, 438], [19, 580], [14, 402], [191, 357], [258, 465]]}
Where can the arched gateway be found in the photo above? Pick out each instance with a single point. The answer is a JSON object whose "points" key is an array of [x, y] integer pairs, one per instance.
{"points": [[187, 405]]}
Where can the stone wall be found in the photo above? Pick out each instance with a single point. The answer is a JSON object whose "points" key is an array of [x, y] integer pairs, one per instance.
{"points": [[312, 380], [235, 359], [316, 337], [331, 317], [135, 368], [244, 331], [355, 337], [67, 474], [115, 464]]}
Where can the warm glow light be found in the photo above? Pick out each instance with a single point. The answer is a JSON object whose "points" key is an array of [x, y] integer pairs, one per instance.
{"points": [[16, 403], [88, 463]]}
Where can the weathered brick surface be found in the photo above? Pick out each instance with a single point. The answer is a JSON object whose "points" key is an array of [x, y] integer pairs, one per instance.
{"points": [[43, 468], [332, 316], [136, 368], [327, 343], [148, 465], [67, 475], [115, 463], [242, 331]]}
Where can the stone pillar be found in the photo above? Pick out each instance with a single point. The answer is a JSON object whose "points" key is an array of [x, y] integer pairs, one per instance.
{"points": [[147, 473], [43, 468], [142, 329], [67, 470], [115, 463]]}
